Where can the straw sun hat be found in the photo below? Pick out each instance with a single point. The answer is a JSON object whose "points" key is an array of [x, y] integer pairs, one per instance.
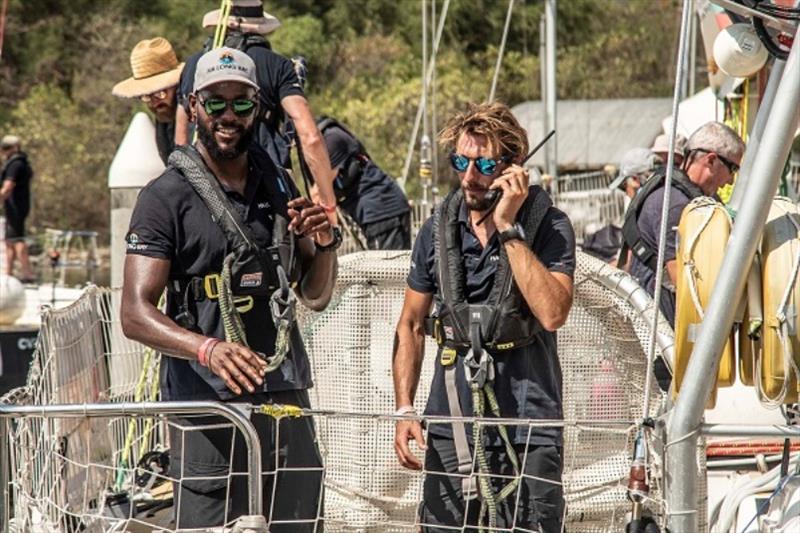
{"points": [[155, 67], [246, 16]]}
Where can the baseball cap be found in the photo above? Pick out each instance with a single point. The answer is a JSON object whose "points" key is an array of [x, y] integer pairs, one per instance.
{"points": [[224, 64], [9, 140], [635, 161]]}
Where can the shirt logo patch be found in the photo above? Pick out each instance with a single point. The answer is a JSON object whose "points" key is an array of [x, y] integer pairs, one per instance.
{"points": [[252, 279], [494, 258], [133, 242], [263, 205]]}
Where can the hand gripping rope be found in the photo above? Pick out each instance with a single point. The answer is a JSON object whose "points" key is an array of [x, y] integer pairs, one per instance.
{"points": [[479, 371]]}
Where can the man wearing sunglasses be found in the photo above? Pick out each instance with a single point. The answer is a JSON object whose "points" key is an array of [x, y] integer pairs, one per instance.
{"points": [[156, 72], [281, 95], [500, 276], [713, 154], [174, 242]]}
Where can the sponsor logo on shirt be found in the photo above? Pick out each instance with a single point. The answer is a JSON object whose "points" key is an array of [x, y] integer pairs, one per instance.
{"points": [[134, 244], [252, 279], [263, 205], [494, 258]]}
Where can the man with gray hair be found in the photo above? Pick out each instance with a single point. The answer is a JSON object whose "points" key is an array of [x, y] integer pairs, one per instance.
{"points": [[713, 154]]}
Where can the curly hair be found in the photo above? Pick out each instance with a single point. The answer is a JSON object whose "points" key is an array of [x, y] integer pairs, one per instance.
{"points": [[491, 120]]}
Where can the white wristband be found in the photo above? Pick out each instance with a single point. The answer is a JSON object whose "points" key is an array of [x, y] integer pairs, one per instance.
{"points": [[405, 410]]}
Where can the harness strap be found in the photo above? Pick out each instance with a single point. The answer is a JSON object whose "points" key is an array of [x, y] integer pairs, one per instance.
{"points": [[469, 486]]}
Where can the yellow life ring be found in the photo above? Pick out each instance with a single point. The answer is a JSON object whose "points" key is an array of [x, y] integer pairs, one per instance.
{"points": [[702, 236], [776, 369]]}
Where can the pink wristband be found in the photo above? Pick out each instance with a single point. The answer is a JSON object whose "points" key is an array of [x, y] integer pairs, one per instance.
{"points": [[328, 208], [204, 349]]}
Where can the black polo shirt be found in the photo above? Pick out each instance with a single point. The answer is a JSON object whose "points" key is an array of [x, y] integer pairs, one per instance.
{"points": [[528, 379], [373, 196], [165, 139], [276, 80], [170, 221], [18, 170]]}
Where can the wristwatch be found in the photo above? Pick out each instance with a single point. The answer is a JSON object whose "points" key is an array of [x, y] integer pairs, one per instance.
{"points": [[334, 244], [515, 232]]}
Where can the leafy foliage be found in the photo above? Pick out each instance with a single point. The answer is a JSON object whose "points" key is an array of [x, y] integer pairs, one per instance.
{"points": [[61, 58]]}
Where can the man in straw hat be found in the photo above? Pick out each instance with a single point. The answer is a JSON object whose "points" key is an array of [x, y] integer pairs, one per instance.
{"points": [[15, 194], [156, 73], [281, 95], [176, 242]]}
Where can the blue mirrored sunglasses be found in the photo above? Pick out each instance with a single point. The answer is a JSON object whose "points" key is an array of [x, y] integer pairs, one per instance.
{"points": [[485, 166]]}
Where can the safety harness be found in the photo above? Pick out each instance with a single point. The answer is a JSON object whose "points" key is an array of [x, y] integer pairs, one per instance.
{"points": [[248, 270], [503, 322], [631, 237]]}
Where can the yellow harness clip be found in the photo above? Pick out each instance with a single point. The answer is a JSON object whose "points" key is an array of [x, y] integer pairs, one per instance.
{"points": [[211, 284], [448, 356]]}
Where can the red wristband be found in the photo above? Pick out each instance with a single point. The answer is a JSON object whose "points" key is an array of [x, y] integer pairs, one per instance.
{"points": [[328, 208], [204, 349]]}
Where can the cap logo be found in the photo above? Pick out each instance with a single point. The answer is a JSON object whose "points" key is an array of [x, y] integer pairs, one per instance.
{"points": [[226, 58]]}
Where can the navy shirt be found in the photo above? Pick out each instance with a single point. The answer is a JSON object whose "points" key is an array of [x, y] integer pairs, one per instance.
{"points": [[276, 80], [373, 198], [171, 221], [18, 170], [528, 379], [649, 223]]}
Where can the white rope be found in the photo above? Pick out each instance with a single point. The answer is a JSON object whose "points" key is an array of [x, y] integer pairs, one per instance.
{"points": [[421, 107], [689, 268], [501, 51]]}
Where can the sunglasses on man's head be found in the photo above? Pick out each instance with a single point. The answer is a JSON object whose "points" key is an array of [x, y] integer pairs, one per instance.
{"points": [[485, 166], [242, 107]]}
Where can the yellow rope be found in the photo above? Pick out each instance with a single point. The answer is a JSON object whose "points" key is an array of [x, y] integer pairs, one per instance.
{"points": [[222, 23], [278, 411]]}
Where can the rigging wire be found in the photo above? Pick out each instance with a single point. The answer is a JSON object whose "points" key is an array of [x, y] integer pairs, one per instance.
{"points": [[680, 73], [426, 81], [501, 51]]}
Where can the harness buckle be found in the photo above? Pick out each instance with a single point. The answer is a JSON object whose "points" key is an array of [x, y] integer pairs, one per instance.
{"points": [[211, 284], [448, 356], [479, 368]]}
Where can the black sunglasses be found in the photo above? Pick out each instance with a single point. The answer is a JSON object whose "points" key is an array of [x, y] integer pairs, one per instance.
{"points": [[484, 165], [732, 167], [242, 107]]}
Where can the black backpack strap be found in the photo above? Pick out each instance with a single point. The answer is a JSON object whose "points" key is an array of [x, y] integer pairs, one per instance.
{"points": [[631, 236], [531, 215]]}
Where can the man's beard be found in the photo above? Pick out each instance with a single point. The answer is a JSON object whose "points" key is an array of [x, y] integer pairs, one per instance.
{"points": [[476, 204], [206, 136]]}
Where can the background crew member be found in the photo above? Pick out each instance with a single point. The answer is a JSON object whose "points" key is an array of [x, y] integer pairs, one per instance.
{"points": [[156, 72], [15, 193], [281, 95], [487, 143], [173, 242], [713, 154], [369, 196]]}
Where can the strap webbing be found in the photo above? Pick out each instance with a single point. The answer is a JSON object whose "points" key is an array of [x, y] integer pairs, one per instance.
{"points": [[469, 485]]}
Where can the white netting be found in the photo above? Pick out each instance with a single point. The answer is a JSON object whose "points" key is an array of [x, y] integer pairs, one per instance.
{"points": [[62, 469]]}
